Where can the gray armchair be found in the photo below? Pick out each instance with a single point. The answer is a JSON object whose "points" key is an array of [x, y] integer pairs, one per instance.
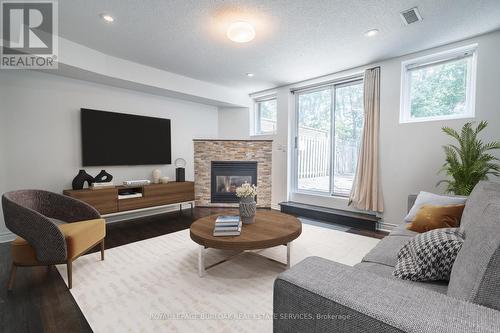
{"points": [[52, 229]]}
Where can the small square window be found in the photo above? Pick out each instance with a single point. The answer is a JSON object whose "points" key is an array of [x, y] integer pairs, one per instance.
{"points": [[265, 116], [440, 86]]}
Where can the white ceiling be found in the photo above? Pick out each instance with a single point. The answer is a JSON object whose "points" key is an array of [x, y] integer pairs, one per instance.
{"points": [[296, 39]]}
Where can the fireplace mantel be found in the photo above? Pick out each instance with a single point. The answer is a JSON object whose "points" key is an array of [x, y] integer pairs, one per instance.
{"points": [[207, 151]]}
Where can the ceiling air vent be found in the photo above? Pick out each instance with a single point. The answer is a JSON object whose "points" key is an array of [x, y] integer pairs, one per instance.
{"points": [[411, 16]]}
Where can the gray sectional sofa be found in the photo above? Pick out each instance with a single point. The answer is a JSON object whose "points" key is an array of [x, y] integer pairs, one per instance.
{"points": [[319, 295]]}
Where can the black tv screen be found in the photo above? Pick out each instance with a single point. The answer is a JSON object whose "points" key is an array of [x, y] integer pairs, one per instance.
{"points": [[110, 138]]}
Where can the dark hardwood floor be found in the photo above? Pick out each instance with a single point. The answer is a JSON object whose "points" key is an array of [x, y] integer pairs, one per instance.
{"points": [[41, 302]]}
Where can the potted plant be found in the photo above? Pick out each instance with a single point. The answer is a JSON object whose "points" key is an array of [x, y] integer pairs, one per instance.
{"points": [[248, 206], [469, 161]]}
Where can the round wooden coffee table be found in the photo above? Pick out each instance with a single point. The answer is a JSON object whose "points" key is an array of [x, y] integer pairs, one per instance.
{"points": [[271, 228]]}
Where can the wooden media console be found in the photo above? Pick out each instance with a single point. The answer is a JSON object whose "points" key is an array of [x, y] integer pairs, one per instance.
{"points": [[107, 200]]}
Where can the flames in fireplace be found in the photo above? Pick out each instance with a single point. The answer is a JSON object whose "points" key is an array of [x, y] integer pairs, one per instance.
{"points": [[227, 176], [228, 184]]}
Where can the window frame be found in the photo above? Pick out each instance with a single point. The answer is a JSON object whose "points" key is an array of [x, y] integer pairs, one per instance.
{"points": [[257, 115], [342, 82], [469, 51]]}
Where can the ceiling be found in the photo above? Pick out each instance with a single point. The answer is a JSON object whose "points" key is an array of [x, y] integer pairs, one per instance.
{"points": [[296, 39]]}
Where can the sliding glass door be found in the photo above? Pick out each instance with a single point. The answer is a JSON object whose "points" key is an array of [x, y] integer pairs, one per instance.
{"points": [[348, 124], [314, 143], [328, 134]]}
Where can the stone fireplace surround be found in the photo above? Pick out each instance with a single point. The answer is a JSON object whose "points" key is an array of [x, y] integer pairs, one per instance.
{"points": [[208, 150]]}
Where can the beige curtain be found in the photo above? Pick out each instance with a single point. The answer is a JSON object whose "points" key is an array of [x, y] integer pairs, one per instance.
{"points": [[366, 193]]}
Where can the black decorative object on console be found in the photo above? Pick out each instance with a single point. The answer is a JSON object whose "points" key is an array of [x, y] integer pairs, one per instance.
{"points": [[180, 172], [80, 180], [103, 177]]}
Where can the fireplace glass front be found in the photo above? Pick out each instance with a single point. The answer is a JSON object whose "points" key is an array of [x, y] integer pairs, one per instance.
{"points": [[227, 176]]}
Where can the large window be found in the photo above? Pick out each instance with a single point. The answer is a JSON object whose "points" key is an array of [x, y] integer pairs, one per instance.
{"points": [[440, 86], [265, 116], [329, 127]]}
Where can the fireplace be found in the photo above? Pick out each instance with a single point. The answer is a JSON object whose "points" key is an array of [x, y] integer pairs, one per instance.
{"points": [[206, 151], [227, 176]]}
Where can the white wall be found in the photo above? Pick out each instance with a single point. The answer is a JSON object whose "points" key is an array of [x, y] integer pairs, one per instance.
{"points": [[40, 116], [281, 147], [234, 123], [411, 154]]}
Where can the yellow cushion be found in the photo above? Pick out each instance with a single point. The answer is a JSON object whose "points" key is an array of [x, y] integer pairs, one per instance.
{"points": [[80, 237], [23, 253], [433, 217]]}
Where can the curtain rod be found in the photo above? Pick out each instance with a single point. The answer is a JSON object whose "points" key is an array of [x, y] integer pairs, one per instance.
{"points": [[339, 80], [271, 91]]}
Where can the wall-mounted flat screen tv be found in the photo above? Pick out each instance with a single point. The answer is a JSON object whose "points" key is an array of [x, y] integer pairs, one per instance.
{"points": [[110, 138]]}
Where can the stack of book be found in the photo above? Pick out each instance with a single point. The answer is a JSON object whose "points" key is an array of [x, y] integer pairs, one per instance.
{"points": [[227, 225]]}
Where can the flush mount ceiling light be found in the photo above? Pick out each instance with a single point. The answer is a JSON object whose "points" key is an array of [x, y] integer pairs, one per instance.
{"points": [[107, 18], [371, 32], [240, 32], [250, 74]]}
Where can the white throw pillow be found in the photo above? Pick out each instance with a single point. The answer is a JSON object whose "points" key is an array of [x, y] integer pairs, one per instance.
{"points": [[426, 198]]}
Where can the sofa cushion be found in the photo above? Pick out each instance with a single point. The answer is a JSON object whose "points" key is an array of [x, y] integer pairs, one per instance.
{"points": [[386, 271], [429, 256], [386, 251], [431, 217], [426, 198], [401, 230], [483, 194], [475, 276], [379, 269]]}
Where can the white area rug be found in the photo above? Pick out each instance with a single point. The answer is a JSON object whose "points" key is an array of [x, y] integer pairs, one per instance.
{"points": [[153, 285]]}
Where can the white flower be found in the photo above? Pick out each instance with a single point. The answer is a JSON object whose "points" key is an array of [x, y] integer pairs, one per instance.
{"points": [[246, 191]]}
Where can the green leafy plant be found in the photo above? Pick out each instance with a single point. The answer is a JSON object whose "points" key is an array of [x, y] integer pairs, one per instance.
{"points": [[470, 161]]}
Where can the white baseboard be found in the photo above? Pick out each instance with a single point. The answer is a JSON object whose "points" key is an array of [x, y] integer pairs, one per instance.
{"points": [[7, 237], [275, 206], [383, 226]]}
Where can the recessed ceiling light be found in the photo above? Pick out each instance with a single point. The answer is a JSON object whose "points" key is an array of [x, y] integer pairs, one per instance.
{"points": [[107, 18], [250, 74], [371, 33], [240, 32]]}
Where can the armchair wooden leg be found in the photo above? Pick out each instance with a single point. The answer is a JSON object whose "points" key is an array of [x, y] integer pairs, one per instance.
{"points": [[69, 266], [13, 270], [102, 250]]}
